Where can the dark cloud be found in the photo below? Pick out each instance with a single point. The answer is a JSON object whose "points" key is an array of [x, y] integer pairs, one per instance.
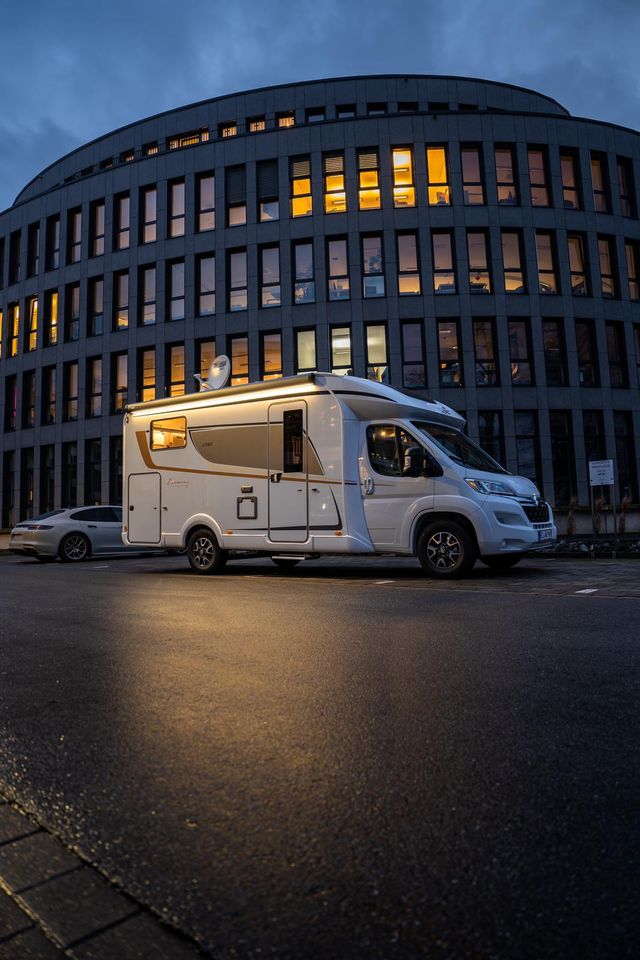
{"points": [[73, 70]]}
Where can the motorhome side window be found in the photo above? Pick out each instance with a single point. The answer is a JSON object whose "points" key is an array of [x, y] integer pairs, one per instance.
{"points": [[388, 447], [169, 433], [292, 436]]}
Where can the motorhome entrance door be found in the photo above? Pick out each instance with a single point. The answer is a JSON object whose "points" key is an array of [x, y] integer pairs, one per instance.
{"points": [[143, 516], [288, 499]]}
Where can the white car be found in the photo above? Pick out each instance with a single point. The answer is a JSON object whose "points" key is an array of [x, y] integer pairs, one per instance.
{"points": [[73, 535]]}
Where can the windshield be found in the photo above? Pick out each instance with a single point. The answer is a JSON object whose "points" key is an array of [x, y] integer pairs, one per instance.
{"points": [[458, 447]]}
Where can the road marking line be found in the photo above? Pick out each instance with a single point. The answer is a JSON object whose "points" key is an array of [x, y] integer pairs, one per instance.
{"points": [[589, 590], [378, 582]]}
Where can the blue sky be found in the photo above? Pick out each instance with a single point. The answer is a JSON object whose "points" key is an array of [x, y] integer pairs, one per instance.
{"points": [[71, 71]]}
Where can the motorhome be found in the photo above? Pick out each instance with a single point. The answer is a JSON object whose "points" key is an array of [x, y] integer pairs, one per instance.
{"points": [[320, 464]]}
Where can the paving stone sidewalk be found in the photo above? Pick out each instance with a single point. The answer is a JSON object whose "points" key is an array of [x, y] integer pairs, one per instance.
{"points": [[54, 905]]}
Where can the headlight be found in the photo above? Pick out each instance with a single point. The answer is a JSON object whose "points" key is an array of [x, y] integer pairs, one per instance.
{"points": [[498, 487]]}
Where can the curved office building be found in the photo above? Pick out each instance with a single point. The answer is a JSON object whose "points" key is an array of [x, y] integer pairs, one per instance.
{"points": [[462, 238]]}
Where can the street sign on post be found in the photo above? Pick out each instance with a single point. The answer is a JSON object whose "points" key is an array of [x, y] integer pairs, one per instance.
{"points": [[601, 473]]}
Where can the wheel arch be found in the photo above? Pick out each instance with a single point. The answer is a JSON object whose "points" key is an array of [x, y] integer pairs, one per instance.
{"points": [[426, 519]]}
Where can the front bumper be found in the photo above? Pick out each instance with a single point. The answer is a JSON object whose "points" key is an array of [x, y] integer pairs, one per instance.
{"points": [[505, 527]]}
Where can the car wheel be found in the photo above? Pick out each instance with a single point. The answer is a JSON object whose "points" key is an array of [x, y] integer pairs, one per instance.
{"points": [[286, 563], [446, 550], [502, 563], [204, 552], [74, 548]]}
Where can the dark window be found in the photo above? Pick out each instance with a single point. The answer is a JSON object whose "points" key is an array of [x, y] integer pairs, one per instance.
{"points": [[626, 187], [49, 387], [122, 221], [147, 296], [491, 434], [372, 267], [570, 183], [547, 274], [206, 273], [479, 276], [29, 399], [625, 455], [345, 111], [72, 312], [52, 243], [485, 353], [506, 176], [33, 249], [338, 269], [388, 447], [472, 177], [270, 277], [47, 477], [236, 195], [314, 115], [520, 353], [97, 226], [26, 483], [74, 235], [206, 202], [70, 390], [555, 353], [632, 256], [149, 216], [93, 475], [538, 177], [413, 366], [11, 403], [514, 281], [176, 290], [119, 382], [15, 241], [237, 280], [449, 354], [267, 177], [444, 277], [8, 487], [177, 209], [304, 288], [577, 271], [115, 469], [121, 300], [600, 183], [587, 353], [408, 269], [595, 447], [376, 109], [94, 387], [608, 271], [293, 441], [96, 306], [527, 445], [562, 457], [617, 355]]}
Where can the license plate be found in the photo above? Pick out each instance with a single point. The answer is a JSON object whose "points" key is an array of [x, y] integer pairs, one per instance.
{"points": [[544, 535]]}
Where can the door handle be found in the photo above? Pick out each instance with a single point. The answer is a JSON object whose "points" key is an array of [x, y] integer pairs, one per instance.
{"points": [[368, 485], [275, 477], [131, 507], [92, 526]]}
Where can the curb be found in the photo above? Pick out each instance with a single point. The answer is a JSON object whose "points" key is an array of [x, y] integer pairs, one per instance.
{"points": [[54, 904]]}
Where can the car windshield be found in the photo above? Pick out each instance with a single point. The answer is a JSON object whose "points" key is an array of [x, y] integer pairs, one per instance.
{"points": [[458, 447]]}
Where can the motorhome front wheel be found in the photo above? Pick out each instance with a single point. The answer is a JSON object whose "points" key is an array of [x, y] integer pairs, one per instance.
{"points": [[446, 550]]}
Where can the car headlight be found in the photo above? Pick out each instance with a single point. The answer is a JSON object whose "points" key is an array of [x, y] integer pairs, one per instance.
{"points": [[498, 487]]}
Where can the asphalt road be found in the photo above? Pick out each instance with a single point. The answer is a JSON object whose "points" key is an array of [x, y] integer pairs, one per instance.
{"points": [[346, 761]]}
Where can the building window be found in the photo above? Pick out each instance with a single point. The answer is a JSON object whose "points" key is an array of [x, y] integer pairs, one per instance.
{"points": [[123, 222], [33, 250], [372, 267], [341, 350], [177, 211], [506, 176], [205, 355], [239, 355], [147, 374], [314, 115], [413, 367], [70, 390], [175, 370], [237, 280], [626, 187], [94, 387], [47, 477], [345, 111], [520, 353], [206, 199], [404, 192], [206, 274], [229, 129], [538, 177], [485, 353], [632, 256], [97, 222], [271, 352], [96, 307], [14, 257], [10, 403], [547, 276], [438, 189], [285, 120], [555, 353], [121, 300], [236, 195], [562, 457], [587, 353], [444, 277], [32, 333], [147, 296], [304, 288], [72, 312], [606, 256], [2, 330], [595, 447], [636, 340], [51, 328], [625, 455], [175, 276], [368, 180], [337, 259], [29, 399], [149, 214], [376, 357], [69, 491], [408, 270], [491, 434], [449, 356], [49, 387], [115, 469], [93, 472], [306, 350], [52, 243], [150, 149], [527, 445], [14, 329], [335, 196], [119, 382], [376, 109], [577, 271], [270, 277], [472, 179], [617, 355], [74, 235], [267, 182], [479, 276], [600, 183], [570, 182], [301, 200], [514, 281], [257, 125]]}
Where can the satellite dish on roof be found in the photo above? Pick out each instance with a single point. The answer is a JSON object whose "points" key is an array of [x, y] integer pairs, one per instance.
{"points": [[217, 374]]}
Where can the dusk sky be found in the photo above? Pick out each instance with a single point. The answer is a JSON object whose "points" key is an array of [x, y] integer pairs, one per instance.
{"points": [[71, 71]]}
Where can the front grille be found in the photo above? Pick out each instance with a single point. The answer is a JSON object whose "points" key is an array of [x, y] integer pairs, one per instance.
{"points": [[537, 514]]}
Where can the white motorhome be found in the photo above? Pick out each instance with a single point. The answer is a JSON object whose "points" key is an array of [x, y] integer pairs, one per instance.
{"points": [[320, 464]]}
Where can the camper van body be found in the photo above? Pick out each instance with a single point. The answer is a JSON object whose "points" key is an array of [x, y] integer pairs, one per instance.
{"points": [[318, 464]]}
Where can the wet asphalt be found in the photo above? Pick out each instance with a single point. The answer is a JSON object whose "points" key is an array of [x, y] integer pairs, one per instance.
{"points": [[345, 761]]}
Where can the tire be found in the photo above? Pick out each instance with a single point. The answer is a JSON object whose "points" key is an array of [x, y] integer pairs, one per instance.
{"points": [[502, 563], [204, 553], [446, 550], [285, 563], [75, 548]]}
